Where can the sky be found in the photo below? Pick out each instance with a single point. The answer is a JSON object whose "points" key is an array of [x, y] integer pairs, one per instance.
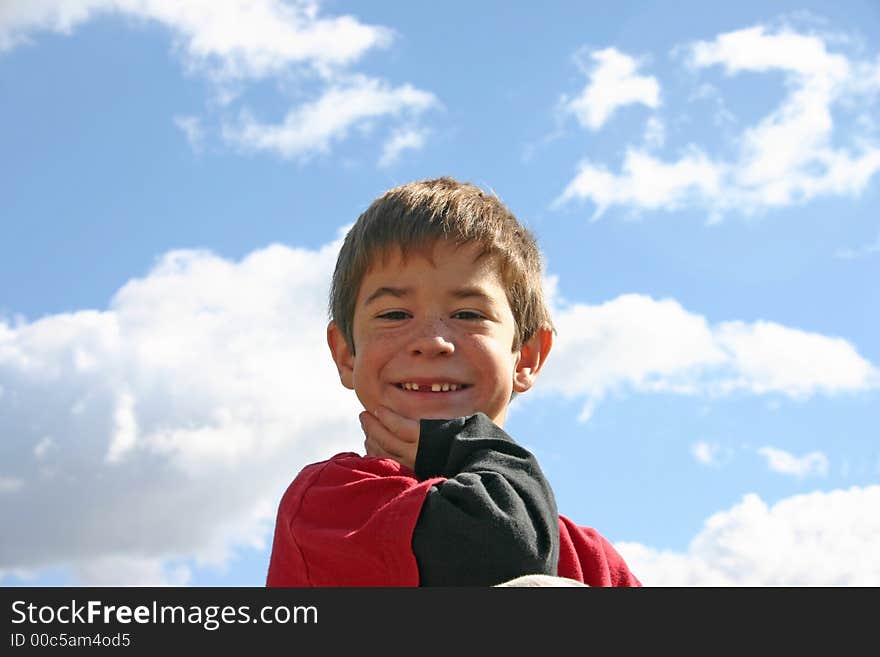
{"points": [[703, 180]]}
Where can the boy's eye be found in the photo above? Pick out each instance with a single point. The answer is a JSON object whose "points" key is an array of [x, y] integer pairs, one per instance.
{"points": [[393, 315], [467, 314]]}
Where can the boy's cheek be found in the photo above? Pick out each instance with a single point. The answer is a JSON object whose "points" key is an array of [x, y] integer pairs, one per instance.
{"points": [[372, 399], [366, 402]]}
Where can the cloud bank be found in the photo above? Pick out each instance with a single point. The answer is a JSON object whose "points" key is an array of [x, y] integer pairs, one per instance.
{"points": [[638, 343], [818, 539], [166, 427], [233, 38], [237, 42], [794, 154], [159, 433], [314, 127]]}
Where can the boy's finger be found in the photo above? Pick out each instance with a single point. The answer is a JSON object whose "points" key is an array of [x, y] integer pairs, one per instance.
{"points": [[381, 441], [404, 428], [379, 438], [373, 448]]}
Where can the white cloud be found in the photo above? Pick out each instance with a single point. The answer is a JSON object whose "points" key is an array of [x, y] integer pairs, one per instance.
{"points": [[632, 340], [819, 539], [401, 140], [638, 343], [705, 453], [792, 155], [126, 570], [10, 484], [170, 423], [191, 126], [778, 460], [237, 41], [646, 182], [241, 38], [721, 116], [312, 127], [613, 83], [125, 430], [42, 448], [768, 357], [655, 133]]}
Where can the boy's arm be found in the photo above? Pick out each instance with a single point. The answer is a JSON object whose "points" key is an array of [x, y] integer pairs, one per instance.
{"points": [[354, 521], [348, 521], [587, 556], [493, 518], [584, 555]]}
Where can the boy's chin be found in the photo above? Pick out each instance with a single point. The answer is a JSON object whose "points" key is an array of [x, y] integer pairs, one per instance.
{"points": [[449, 413], [446, 414], [443, 416]]}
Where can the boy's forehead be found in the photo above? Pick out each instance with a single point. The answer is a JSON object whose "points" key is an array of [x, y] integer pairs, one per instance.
{"points": [[385, 270], [436, 253]]}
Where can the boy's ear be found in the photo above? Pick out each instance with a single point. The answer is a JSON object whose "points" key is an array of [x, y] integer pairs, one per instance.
{"points": [[342, 355], [532, 356]]}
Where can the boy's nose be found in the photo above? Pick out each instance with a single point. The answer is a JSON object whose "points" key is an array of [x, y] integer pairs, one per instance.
{"points": [[433, 341]]}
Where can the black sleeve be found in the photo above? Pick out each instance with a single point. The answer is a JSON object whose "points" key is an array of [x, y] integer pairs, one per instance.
{"points": [[493, 519]]}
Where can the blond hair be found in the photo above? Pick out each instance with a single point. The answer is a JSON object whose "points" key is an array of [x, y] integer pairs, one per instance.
{"points": [[413, 217]]}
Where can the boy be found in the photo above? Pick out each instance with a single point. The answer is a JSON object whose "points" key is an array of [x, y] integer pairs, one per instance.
{"points": [[438, 320]]}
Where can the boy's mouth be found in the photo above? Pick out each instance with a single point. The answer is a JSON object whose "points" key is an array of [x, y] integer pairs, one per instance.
{"points": [[432, 387]]}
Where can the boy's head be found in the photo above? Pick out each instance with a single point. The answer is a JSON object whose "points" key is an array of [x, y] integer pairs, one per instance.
{"points": [[437, 282]]}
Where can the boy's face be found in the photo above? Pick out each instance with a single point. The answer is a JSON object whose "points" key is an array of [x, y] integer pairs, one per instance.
{"points": [[435, 341]]}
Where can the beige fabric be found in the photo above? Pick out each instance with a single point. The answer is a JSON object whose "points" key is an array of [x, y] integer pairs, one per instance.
{"points": [[542, 580]]}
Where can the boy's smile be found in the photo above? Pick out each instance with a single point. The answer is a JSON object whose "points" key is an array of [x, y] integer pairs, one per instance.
{"points": [[434, 338]]}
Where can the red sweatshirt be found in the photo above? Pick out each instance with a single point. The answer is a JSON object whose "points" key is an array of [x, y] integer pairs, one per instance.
{"points": [[475, 511]]}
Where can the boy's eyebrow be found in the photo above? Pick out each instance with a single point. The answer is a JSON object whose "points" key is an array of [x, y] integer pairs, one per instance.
{"points": [[400, 292], [388, 291], [467, 292]]}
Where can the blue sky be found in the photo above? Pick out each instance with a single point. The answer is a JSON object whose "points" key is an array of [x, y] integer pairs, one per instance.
{"points": [[175, 178]]}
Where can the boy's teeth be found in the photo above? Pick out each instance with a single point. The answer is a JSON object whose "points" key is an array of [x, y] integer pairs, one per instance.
{"points": [[435, 387]]}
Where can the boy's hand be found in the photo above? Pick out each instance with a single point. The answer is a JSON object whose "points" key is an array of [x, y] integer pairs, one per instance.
{"points": [[390, 435]]}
